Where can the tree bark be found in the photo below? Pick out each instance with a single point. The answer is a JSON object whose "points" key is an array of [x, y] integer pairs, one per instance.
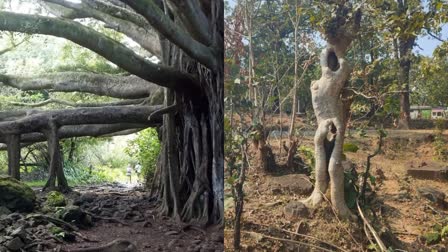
{"points": [[56, 169], [14, 156], [138, 31], [101, 44], [405, 67], [116, 114], [328, 108], [128, 87]]}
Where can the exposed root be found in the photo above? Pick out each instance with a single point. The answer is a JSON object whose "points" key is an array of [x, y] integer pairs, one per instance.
{"points": [[118, 245], [106, 218], [55, 221]]}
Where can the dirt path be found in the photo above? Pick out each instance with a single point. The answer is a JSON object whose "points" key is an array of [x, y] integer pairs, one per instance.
{"points": [[130, 214]]}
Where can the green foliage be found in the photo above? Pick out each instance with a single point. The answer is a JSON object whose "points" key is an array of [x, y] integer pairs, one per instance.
{"points": [[78, 174], [145, 148], [57, 231], [432, 238], [444, 231], [350, 147], [351, 189], [55, 199], [440, 143], [307, 154], [3, 162], [362, 132]]}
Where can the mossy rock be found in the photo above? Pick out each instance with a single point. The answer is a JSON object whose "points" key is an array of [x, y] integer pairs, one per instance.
{"points": [[350, 147], [55, 199], [432, 238], [15, 195]]}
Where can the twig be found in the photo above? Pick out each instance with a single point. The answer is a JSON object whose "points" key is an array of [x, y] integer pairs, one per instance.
{"points": [[405, 233], [367, 172], [372, 230], [83, 237], [337, 218], [288, 240], [284, 240], [304, 235]]}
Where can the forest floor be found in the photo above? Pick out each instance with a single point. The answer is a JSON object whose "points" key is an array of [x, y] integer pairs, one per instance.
{"points": [[115, 218], [398, 212], [130, 214]]}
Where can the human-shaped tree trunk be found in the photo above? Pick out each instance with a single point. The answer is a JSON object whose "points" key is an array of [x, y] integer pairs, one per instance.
{"points": [[328, 107], [330, 110]]}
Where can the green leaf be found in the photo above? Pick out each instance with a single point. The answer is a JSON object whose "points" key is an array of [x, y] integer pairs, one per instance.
{"points": [[372, 180], [444, 231], [350, 147]]}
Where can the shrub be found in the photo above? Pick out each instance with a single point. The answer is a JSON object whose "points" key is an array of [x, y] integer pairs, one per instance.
{"points": [[145, 148], [350, 147]]}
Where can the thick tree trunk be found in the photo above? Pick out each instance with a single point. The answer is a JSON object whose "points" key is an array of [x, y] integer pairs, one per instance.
{"points": [[14, 156]]}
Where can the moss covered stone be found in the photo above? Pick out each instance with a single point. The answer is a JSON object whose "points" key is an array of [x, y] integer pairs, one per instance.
{"points": [[55, 199], [15, 195]]}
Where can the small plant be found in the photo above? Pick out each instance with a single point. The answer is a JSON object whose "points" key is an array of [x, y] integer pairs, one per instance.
{"points": [[351, 189], [440, 144], [362, 132], [350, 147], [307, 154]]}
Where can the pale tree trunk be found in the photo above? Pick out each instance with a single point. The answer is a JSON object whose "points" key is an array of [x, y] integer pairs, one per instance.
{"points": [[330, 111], [292, 139], [14, 156], [249, 8]]}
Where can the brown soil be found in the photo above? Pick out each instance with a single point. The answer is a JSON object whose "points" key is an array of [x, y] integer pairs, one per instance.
{"points": [[395, 210], [141, 225]]}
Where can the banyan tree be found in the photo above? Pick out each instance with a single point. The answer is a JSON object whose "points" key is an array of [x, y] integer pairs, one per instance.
{"points": [[182, 93]]}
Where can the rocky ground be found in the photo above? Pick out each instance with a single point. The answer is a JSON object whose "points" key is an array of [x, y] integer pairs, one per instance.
{"points": [[406, 206], [110, 218]]}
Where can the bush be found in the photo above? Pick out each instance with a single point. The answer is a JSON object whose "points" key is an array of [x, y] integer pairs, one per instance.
{"points": [[78, 174], [440, 145], [350, 147], [145, 148]]}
